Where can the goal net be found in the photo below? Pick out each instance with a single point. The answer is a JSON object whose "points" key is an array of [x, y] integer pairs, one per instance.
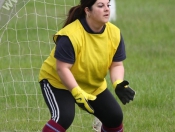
{"points": [[26, 30], [25, 42]]}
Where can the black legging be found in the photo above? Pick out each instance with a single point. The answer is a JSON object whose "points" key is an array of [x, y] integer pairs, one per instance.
{"points": [[61, 101]]}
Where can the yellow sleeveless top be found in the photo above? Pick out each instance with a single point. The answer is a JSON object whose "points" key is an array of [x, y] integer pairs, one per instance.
{"points": [[93, 57]]}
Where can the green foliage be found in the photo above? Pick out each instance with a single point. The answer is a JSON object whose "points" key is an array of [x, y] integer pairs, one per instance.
{"points": [[148, 30]]}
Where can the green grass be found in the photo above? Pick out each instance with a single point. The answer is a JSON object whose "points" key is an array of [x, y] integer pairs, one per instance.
{"points": [[148, 30]]}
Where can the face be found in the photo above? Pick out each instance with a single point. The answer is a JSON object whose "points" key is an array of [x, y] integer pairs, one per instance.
{"points": [[100, 11]]}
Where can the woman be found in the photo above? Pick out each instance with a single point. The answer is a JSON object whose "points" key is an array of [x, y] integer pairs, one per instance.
{"points": [[86, 48]]}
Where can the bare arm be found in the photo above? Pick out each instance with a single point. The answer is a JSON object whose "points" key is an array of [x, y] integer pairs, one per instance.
{"points": [[66, 76], [122, 89], [117, 71]]}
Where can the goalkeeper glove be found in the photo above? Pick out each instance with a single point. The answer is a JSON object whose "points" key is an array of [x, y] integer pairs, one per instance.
{"points": [[81, 98], [123, 91]]}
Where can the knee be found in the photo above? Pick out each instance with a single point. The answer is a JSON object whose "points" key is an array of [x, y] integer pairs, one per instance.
{"points": [[114, 120], [118, 118], [66, 120]]}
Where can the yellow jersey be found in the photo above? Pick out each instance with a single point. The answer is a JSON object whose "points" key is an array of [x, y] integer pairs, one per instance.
{"points": [[93, 57]]}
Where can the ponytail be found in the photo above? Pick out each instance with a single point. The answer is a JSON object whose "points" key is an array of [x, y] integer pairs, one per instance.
{"points": [[77, 12], [74, 13]]}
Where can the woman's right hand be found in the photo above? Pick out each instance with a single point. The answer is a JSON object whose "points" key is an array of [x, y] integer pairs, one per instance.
{"points": [[81, 98]]}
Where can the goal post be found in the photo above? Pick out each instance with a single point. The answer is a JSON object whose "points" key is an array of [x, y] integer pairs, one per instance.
{"points": [[26, 31]]}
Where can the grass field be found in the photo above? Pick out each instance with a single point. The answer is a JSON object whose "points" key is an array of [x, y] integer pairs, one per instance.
{"points": [[148, 28]]}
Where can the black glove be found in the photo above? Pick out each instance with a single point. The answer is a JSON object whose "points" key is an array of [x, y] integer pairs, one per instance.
{"points": [[124, 92]]}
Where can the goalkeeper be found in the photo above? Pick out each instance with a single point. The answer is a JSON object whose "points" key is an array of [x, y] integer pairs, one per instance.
{"points": [[87, 47]]}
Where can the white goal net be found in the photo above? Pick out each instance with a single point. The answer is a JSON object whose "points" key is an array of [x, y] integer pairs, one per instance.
{"points": [[26, 30]]}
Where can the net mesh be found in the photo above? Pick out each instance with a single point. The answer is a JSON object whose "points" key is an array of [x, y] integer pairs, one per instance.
{"points": [[25, 42]]}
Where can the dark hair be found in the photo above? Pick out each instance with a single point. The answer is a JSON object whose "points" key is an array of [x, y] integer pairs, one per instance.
{"points": [[78, 11]]}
